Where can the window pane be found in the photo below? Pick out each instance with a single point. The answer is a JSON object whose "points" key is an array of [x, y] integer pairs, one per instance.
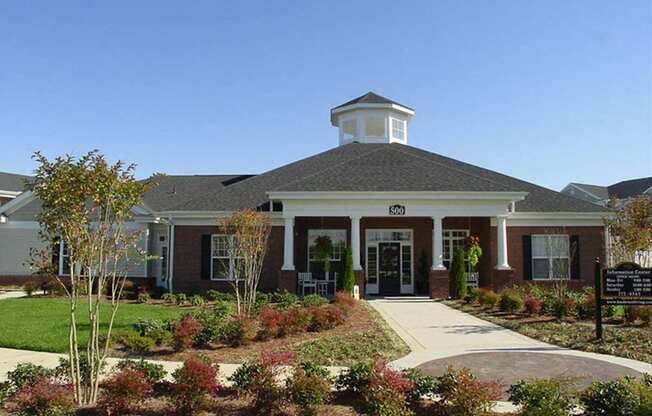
{"points": [[372, 271], [220, 268], [540, 268], [539, 246], [220, 246], [559, 246], [375, 127], [560, 268], [349, 129], [406, 265], [398, 129]]}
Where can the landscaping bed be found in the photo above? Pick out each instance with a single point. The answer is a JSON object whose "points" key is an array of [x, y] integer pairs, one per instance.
{"points": [[564, 318]]}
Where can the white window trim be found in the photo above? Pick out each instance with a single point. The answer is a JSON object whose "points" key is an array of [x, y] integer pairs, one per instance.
{"points": [[448, 257], [551, 258], [231, 259], [62, 272], [403, 128], [309, 241]]}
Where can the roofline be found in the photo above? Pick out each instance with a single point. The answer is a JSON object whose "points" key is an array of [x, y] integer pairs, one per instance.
{"points": [[427, 195], [18, 202], [560, 215], [578, 186], [9, 194]]}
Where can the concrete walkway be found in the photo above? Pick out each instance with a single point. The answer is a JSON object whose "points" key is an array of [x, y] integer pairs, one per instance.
{"points": [[434, 331]]}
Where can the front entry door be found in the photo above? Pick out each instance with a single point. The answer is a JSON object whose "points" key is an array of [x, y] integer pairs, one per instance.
{"points": [[389, 268]]}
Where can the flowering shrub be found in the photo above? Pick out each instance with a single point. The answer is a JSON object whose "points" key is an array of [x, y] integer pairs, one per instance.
{"points": [[193, 383], [309, 387], [533, 306], [239, 330], [124, 391], [270, 321], [387, 391], [345, 301], [183, 332], [463, 395], [325, 317], [294, 321], [43, 398], [259, 381]]}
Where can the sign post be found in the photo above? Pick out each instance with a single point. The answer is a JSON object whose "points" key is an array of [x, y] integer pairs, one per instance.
{"points": [[628, 284], [598, 300]]}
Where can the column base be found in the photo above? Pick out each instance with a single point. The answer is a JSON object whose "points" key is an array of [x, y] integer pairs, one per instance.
{"points": [[438, 283], [500, 279], [287, 280]]}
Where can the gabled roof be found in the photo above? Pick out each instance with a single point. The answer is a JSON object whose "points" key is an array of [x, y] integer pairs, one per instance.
{"points": [[630, 188], [381, 167], [599, 192], [13, 182], [371, 98]]}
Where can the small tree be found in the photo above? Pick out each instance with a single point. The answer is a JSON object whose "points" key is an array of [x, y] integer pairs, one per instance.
{"points": [[324, 251], [457, 275], [348, 278], [630, 232], [86, 204], [249, 230]]}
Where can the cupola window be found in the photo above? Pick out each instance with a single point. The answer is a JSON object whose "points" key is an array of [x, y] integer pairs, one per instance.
{"points": [[398, 129], [374, 127], [349, 129]]}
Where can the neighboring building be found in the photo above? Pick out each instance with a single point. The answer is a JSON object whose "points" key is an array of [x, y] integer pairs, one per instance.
{"points": [[601, 195], [396, 206], [11, 185]]}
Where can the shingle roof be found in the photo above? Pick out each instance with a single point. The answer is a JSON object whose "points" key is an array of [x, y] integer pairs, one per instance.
{"points": [[630, 188], [171, 190], [381, 167], [371, 98], [12, 182], [600, 192]]}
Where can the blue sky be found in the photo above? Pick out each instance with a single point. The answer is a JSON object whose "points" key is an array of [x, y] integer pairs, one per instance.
{"points": [[547, 91]]}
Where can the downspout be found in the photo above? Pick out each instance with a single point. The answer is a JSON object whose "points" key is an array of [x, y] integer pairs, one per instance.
{"points": [[170, 254]]}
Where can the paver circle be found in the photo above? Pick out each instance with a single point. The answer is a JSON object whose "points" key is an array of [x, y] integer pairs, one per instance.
{"points": [[512, 366]]}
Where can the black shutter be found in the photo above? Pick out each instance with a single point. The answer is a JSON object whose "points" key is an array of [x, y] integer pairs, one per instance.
{"points": [[56, 251], [206, 257], [527, 257], [575, 257]]}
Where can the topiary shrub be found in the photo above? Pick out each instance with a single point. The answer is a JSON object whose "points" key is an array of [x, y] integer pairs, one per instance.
{"points": [[510, 301], [309, 387], [543, 397], [194, 382], [463, 395], [124, 392], [348, 277], [314, 300], [457, 276]]}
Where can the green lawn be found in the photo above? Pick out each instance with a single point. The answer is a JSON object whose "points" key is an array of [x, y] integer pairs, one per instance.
{"points": [[41, 324]]}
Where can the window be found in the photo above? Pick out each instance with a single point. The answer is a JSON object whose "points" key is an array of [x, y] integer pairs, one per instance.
{"points": [[338, 241], [452, 240], [349, 129], [398, 129], [374, 127], [64, 258], [550, 257], [372, 263], [406, 264], [223, 264]]}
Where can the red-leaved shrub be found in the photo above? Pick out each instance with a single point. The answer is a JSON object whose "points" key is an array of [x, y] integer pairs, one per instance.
{"points": [[124, 391], [463, 394], [533, 306], [345, 301], [294, 321], [270, 321], [325, 317], [238, 330], [182, 332], [43, 398], [387, 390], [194, 382]]}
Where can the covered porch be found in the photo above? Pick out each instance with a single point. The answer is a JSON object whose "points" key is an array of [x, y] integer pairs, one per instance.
{"points": [[399, 247]]}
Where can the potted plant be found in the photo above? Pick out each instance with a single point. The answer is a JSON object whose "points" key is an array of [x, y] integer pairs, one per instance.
{"points": [[473, 252]]}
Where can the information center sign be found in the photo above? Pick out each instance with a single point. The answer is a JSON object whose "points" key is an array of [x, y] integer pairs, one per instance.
{"points": [[627, 287]]}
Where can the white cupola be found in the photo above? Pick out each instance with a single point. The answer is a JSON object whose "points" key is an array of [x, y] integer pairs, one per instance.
{"points": [[371, 118]]}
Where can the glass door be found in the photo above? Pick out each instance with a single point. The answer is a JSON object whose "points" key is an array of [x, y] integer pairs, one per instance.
{"points": [[389, 268]]}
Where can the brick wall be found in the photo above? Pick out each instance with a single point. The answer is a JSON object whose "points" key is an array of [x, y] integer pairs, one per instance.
{"points": [[187, 260]]}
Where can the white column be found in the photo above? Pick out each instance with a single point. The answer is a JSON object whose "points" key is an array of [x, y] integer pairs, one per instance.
{"points": [[355, 242], [288, 247], [437, 244], [501, 226]]}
